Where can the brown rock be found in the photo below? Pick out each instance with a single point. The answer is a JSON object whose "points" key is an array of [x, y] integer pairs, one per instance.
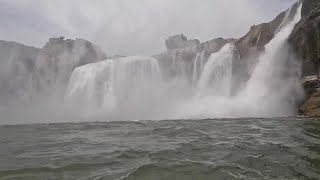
{"points": [[312, 106]]}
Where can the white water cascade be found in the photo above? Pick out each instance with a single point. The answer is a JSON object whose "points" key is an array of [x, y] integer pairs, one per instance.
{"points": [[198, 66], [217, 74], [123, 88], [116, 82], [133, 88], [268, 93]]}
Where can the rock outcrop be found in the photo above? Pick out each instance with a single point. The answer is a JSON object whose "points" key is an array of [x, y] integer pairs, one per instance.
{"points": [[180, 42], [56, 61], [305, 42], [258, 36], [311, 84], [305, 39], [16, 66], [312, 106]]}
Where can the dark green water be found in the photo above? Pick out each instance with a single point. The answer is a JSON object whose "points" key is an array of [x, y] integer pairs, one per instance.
{"points": [[160, 150]]}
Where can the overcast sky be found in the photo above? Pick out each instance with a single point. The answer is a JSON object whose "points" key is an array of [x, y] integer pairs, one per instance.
{"points": [[132, 27]]}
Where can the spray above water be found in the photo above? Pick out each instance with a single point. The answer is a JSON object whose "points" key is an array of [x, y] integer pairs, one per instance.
{"points": [[217, 73], [270, 91], [133, 87]]}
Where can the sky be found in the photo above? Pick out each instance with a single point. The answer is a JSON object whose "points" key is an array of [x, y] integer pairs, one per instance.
{"points": [[132, 27]]}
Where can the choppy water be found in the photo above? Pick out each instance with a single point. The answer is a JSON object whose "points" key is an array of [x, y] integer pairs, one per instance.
{"points": [[154, 150]]}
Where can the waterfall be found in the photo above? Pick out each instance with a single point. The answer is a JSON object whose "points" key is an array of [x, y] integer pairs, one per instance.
{"points": [[134, 88], [217, 74], [198, 66], [90, 84], [287, 18], [268, 82], [258, 39], [270, 92], [124, 84]]}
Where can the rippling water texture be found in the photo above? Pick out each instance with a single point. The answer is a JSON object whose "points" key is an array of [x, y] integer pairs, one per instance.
{"points": [[153, 150]]}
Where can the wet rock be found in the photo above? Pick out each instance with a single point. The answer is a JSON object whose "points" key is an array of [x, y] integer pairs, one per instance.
{"points": [[312, 106], [305, 42], [311, 84]]}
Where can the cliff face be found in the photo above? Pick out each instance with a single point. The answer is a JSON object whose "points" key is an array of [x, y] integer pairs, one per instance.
{"points": [[56, 61], [258, 36], [16, 66], [308, 6], [305, 41], [180, 42]]}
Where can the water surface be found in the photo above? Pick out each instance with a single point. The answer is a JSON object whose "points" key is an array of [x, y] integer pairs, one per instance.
{"points": [[287, 148]]}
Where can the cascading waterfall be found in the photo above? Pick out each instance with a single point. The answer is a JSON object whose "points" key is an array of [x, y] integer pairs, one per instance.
{"points": [[287, 19], [130, 86], [92, 84], [198, 66], [217, 74], [133, 87], [258, 39], [267, 94]]}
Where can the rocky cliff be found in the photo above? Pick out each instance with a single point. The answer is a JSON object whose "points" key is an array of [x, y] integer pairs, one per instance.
{"points": [[305, 38], [305, 41], [181, 41]]}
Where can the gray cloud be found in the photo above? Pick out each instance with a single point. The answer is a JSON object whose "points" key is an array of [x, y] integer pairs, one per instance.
{"points": [[132, 27]]}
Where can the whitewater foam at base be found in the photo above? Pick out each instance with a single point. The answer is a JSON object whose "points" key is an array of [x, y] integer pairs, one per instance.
{"points": [[133, 87]]}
